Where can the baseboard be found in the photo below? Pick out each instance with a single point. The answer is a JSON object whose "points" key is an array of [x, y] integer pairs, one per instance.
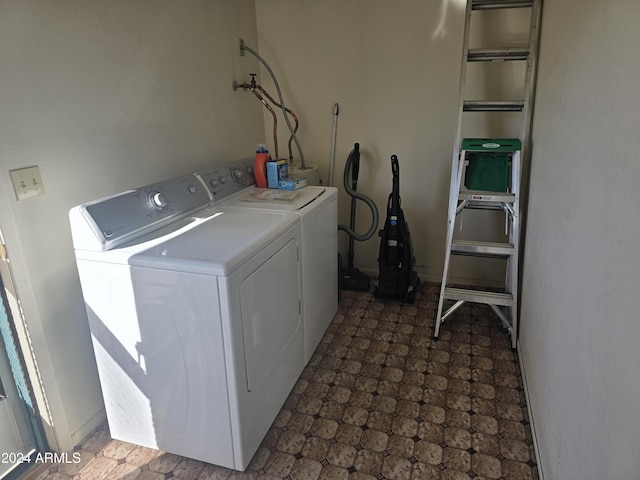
{"points": [[534, 437], [89, 427], [426, 276]]}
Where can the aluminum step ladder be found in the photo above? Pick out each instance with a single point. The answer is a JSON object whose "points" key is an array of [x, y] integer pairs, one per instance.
{"points": [[510, 153]]}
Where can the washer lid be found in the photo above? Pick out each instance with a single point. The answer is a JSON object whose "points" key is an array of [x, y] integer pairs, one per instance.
{"points": [[218, 245]]}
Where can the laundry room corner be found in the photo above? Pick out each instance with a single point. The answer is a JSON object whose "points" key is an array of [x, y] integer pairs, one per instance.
{"points": [[103, 98], [388, 66]]}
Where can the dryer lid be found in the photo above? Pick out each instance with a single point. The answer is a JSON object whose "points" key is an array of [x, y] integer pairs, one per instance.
{"points": [[219, 244]]}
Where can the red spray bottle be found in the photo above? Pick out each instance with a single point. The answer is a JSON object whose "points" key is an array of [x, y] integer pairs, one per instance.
{"points": [[260, 166]]}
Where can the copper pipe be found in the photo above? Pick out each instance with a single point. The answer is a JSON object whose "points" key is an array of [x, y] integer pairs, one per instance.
{"points": [[289, 111], [253, 86]]}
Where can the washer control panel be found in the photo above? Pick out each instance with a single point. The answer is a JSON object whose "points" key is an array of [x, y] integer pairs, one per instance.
{"points": [[126, 215], [222, 181]]}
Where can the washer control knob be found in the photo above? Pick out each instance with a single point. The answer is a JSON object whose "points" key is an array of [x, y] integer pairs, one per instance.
{"points": [[213, 182], [192, 189], [237, 174], [158, 200], [222, 179]]}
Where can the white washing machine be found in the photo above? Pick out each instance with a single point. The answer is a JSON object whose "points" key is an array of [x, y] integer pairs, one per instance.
{"points": [[317, 207], [194, 315]]}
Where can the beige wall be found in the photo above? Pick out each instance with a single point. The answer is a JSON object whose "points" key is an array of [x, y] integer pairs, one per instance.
{"points": [[105, 96], [394, 69], [396, 85], [580, 328]]}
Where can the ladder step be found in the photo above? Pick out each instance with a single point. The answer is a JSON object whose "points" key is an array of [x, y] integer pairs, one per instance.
{"points": [[494, 4], [493, 106], [477, 296], [497, 54], [482, 196], [492, 249], [491, 144]]}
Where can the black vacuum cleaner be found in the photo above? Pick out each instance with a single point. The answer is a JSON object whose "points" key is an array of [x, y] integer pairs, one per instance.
{"points": [[351, 278], [397, 277]]}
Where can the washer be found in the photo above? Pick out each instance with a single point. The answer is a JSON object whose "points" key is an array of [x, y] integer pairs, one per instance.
{"points": [[194, 315], [317, 207]]}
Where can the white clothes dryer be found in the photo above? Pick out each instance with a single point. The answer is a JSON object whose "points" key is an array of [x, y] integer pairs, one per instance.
{"points": [[196, 345], [317, 207]]}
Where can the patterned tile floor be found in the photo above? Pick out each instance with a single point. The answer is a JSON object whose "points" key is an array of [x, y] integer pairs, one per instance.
{"points": [[379, 400]]}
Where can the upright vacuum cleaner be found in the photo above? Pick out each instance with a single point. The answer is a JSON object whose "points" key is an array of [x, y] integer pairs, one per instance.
{"points": [[396, 260], [351, 278]]}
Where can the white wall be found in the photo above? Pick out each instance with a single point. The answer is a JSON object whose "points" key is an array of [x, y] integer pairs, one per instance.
{"points": [[394, 69], [105, 96], [397, 87], [580, 320]]}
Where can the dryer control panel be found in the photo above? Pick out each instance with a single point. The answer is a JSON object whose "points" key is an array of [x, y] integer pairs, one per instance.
{"points": [[223, 181]]}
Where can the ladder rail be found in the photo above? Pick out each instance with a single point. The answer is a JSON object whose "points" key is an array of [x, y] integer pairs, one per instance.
{"points": [[461, 90], [456, 179], [456, 172], [530, 77]]}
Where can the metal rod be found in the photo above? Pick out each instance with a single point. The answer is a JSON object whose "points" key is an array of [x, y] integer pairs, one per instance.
{"points": [[336, 109]]}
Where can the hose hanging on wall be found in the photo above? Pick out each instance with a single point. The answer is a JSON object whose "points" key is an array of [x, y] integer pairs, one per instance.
{"points": [[284, 109], [256, 89], [351, 278]]}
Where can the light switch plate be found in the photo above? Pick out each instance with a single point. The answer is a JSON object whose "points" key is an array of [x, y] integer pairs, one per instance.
{"points": [[26, 182]]}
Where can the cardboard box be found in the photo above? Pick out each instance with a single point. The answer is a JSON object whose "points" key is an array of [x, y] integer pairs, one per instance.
{"points": [[277, 170], [293, 183]]}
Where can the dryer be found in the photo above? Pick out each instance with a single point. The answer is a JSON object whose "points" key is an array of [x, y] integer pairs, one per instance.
{"points": [[317, 207], [197, 348]]}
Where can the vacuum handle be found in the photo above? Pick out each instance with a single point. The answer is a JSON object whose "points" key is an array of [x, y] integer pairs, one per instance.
{"points": [[355, 164], [395, 193], [394, 242]]}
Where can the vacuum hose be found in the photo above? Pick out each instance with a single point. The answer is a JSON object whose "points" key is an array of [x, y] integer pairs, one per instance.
{"points": [[353, 165]]}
